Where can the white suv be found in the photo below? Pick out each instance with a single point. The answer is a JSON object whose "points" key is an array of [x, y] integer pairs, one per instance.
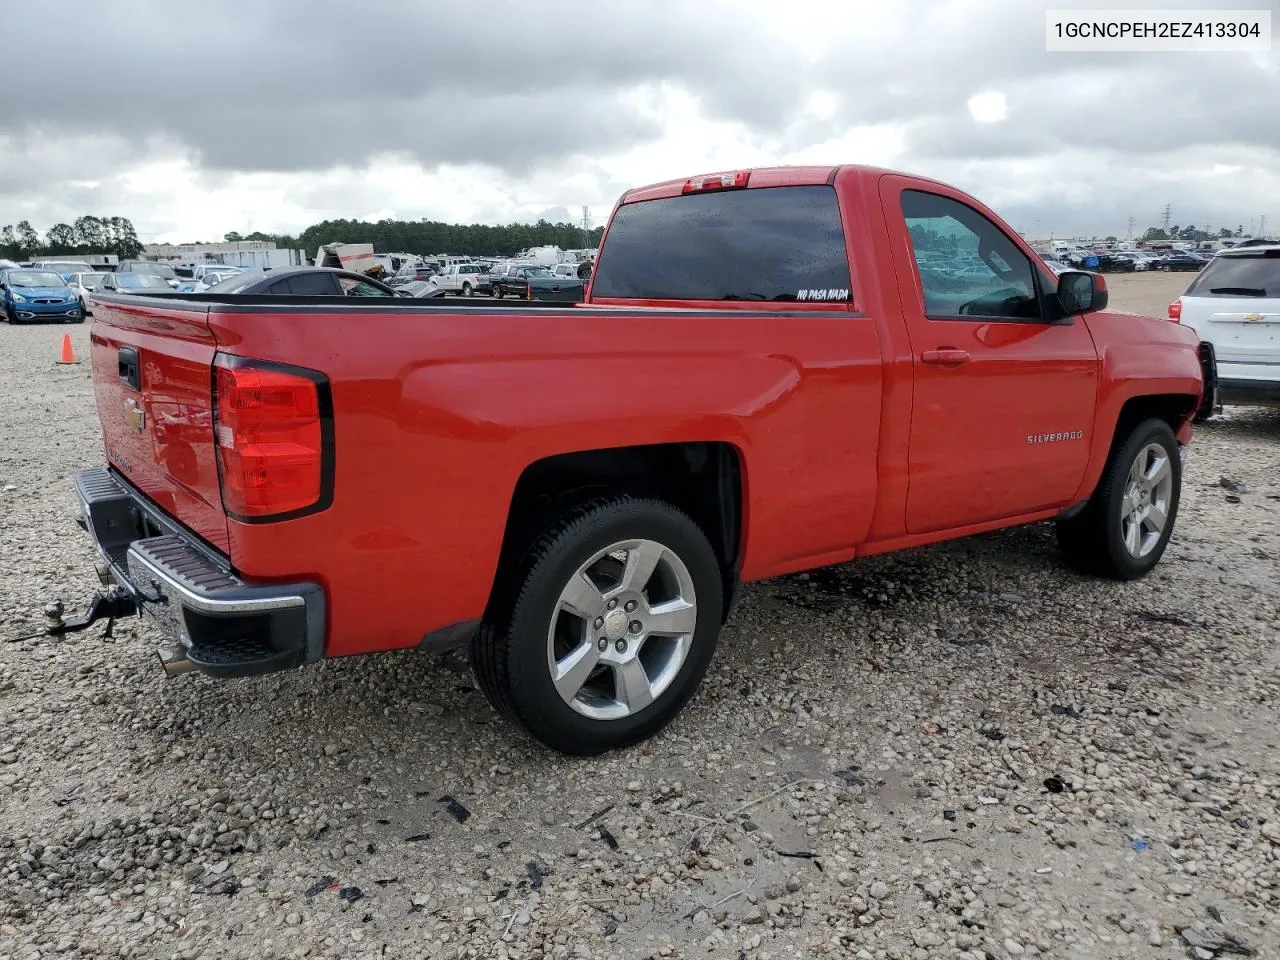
{"points": [[1234, 305]]}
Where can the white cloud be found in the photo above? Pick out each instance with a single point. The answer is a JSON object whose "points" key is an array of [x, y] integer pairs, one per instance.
{"points": [[988, 107]]}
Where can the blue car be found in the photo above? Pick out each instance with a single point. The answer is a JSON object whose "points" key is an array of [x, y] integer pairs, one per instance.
{"points": [[31, 295]]}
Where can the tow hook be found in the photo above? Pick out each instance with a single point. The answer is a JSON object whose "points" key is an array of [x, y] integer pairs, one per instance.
{"points": [[112, 605]]}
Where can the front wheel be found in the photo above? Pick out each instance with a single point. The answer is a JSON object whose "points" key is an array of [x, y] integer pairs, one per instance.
{"points": [[496, 292], [1123, 531], [608, 626]]}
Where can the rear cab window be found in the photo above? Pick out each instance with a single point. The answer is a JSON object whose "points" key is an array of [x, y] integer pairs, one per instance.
{"points": [[781, 243], [1239, 275]]}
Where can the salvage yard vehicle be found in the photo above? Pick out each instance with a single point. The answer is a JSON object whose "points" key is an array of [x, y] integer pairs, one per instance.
{"points": [[29, 296], [466, 279], [534, 283], [150, 268], [761, 380], [135, 283], [303, 281], [1233, 306], [83, 285]]}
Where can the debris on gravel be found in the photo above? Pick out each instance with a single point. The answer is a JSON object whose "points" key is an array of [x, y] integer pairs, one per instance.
{"points": [[960, 752]]}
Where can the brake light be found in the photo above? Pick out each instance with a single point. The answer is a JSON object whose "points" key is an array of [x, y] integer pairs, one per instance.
{"points": [[717, 181], [273, 430], [1175, 310]]}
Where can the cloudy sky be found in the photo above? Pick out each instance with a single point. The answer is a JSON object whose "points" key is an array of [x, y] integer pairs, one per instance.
{"points": [[193, 120]]}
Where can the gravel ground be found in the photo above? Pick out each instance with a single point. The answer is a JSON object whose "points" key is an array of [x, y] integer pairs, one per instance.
{"points": [[963, 751]]}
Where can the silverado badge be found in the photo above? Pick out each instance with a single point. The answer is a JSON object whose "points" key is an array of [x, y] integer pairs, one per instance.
{"points": [[136, 416]]}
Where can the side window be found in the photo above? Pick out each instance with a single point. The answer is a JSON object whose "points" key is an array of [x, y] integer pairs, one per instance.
{"points": [[312, 285], [280, 288], [968, 267]]}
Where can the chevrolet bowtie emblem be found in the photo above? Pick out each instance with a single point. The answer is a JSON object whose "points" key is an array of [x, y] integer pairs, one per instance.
{"points": [[1253, 317], [136, 416]]}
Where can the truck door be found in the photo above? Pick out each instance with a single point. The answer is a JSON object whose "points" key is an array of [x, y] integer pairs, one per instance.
{"points": [[1003, 399]]}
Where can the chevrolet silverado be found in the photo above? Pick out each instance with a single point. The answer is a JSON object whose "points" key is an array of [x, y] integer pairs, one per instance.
{"points": [[773, 370]]}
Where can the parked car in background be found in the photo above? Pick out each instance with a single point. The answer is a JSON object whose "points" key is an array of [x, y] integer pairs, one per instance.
{"points": [[161, 270], [304, 282], [30, 296], [1180, 260], [413, 271], [535, 283], [141, 283], [1057, 266], [83, 285], [466, 279], [65, 268], [1234, 307]]}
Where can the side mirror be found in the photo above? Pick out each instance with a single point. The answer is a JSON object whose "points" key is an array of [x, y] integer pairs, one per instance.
{"points": [[1080, 292]]}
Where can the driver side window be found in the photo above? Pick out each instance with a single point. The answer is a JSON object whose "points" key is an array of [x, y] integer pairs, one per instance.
{"points": [[968, 267]]}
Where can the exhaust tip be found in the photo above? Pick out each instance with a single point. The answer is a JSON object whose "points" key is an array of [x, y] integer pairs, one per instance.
{"points": [[173, 660]]}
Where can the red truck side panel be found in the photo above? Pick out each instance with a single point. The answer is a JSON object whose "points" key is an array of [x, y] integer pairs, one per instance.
{"points": [[1140, 356], [160, 436], [429, 447]]}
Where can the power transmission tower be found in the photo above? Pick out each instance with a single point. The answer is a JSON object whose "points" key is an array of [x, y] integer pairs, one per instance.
{"points": [[586, 227], [1262, 226], [1168, 212], [1131, 222]]}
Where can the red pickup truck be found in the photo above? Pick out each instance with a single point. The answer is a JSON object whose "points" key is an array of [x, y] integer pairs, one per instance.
{"points": [[773, 370]]}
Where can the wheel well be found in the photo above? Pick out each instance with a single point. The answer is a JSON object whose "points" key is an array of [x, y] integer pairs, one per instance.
{"points": [[1172, 408], [704, 479]]}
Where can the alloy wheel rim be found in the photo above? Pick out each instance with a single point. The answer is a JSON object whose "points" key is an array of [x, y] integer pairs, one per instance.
{"points": [[1144, 508], [622, 629]]}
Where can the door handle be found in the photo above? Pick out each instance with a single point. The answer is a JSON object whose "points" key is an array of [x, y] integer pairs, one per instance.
{"points": [[947, 357]]}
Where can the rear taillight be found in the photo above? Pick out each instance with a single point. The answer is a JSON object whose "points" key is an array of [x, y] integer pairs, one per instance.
{"points": [[273, 429], [1175, 310]]}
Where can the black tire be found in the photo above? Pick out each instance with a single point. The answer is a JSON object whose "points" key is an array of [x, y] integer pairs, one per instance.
{"points": [[1092, 541], [466, 289], [509, 653], [496, 292], [1209, 401], [9, 315]]}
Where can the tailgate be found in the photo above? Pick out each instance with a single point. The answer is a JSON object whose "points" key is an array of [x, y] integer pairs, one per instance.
{"points": [[153, 381]]}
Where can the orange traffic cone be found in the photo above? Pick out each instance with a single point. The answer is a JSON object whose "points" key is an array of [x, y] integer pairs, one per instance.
{"points": [[68, 355]]}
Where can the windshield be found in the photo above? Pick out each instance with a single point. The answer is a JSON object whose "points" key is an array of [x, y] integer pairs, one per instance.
{"points": [[154, 269], [91, 281], [537, 272], [34, 278], [67, 267], [141, 281], [235, 283]]}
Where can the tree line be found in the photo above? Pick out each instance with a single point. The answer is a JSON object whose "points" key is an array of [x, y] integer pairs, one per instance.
{"points": [[1190, 233], [427, 237], [87, 235]]}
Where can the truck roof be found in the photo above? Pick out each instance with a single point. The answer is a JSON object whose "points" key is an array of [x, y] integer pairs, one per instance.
{"points": [[788, 176]]}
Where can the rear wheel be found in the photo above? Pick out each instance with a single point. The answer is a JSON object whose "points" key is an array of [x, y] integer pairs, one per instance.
{"points": [[1123, 531], [466, 289], [610, 625]]}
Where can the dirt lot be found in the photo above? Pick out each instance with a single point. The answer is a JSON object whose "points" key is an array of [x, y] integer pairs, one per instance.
{"points": [[963, 751]]}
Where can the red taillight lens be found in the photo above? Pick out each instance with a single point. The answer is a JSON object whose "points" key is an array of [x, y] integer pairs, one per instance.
{"points": [[1175, 310], [717, 181], [271, 430]]}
